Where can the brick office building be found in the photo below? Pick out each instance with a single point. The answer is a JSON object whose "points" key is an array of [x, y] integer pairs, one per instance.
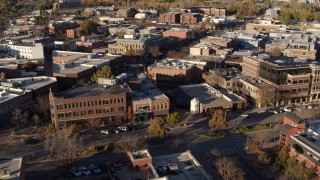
{"points": [[170, 18], [190, 18], [86, 102], [295, 80]]}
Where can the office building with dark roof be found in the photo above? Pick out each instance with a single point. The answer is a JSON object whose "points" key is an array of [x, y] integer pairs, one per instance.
{"points": [[95, 100]]}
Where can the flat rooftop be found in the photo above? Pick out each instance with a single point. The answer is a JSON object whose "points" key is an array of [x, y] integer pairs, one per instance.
{"points": [[79, 65], [188, 167], [148, 95], [179, 30], [285, 61], [8, 94], [205, 93], [172, 64], [30, 83], [14, 165], [93, 89]]}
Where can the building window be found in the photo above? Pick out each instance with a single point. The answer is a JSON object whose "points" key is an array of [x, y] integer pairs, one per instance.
{"points": [[294, 90], [120, 109], [76, 113], [91, 112]]}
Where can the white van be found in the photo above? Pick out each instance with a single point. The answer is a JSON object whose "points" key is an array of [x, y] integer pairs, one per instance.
{"points": [[123, 128]]}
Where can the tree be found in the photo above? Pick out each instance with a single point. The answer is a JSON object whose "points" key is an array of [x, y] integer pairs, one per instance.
{"points": [[218, 120], [229, 169], [130, 116], [131, 143], [73, 128], [36, 119], [267, 96], [154, 51], [276, 51], [93, 123], [282, 157], [19, 118], [252, 146], [104, 72], [42, 107], [173, 118], [263, 158], [51, 129], [62, 148], [285, 17], [157, 128], [87, 27], [294, 170], [129, 51]]}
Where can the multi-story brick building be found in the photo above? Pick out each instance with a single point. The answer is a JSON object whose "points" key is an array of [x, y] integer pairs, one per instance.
{"points": [[127, 13], [21, 92], [86, 45], [179, 33], [305, 146], [265, 27], [170, 18], [301, 46], [190, 18], [60, 27], [292, 124], [89, 101], [71, 67], [295, 80], [175, 72], [147, 100]]}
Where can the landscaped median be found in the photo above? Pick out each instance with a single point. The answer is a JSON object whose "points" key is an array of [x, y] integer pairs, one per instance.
{"points": [[216, 133], [257, 127]]}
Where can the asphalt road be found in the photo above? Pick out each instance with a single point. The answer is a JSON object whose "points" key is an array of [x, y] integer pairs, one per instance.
{"points": [[200, 146]]}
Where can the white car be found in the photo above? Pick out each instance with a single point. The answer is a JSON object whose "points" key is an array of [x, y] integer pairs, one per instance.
{"points": [[275, 111], [95, 168], [84, 170], [105, 131], [123, 128], [287, 109], [309, 106], [76, 172]]}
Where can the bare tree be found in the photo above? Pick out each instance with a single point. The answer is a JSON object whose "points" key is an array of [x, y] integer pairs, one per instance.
{"points": [[267, 96], [131, 143], [93, 123], [19, 118], [252, 147], [62, 147], [229, 169], [42, 107], [154, 51]]}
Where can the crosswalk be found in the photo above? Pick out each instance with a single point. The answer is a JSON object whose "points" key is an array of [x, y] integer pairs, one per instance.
{"points": [[239, 141], [228, 151]]}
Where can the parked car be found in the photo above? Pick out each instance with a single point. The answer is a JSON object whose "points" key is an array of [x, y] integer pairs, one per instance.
{"points": [[245, 115], [123, 128], [287, 109], [109, 131], [275, 111], [310, 106], [31, 140], [95, 168], [75, 171], [84, 170]]}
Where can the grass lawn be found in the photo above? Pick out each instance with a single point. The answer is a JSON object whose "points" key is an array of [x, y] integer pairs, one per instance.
{"points": [[258, 127], [216, 133]]}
